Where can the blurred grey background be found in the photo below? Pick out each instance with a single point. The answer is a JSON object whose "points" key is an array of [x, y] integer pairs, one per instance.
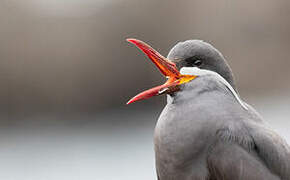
{"points": [[66, 73]]}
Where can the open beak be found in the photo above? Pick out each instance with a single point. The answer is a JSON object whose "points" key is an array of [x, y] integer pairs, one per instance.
{"points": [[166, 67]]}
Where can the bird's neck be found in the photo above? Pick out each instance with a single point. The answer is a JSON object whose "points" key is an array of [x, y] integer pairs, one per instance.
{"points": [[230, 79], [205, 84], [194, 88]]}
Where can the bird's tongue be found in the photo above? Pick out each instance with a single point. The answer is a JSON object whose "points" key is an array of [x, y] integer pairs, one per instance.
{"points": [[167, 68]]}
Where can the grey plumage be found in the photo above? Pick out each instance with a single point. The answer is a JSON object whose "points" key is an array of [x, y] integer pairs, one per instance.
{"points": [[204, 133]]}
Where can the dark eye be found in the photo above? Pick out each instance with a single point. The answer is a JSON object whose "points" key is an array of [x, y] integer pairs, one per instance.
{"points": [[194, 62], [197, 63]]}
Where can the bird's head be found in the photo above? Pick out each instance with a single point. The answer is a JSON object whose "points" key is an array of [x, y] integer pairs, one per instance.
{"points": [[197, 53], [186, 61]]}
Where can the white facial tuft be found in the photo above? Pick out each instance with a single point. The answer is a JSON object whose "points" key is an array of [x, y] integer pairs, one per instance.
{"points": [[201, 72]]}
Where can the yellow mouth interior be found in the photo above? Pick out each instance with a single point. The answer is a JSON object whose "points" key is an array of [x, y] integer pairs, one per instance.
{"points": [[186, 79]]}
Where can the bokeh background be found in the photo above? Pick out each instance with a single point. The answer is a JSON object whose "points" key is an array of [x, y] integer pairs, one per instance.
{"points": [[66, 73]]}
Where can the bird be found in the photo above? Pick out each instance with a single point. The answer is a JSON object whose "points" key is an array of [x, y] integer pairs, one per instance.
{"points": [[206, 131]]}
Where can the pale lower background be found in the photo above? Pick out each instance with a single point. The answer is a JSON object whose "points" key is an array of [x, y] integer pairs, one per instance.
{"points": [[80, 147]]}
